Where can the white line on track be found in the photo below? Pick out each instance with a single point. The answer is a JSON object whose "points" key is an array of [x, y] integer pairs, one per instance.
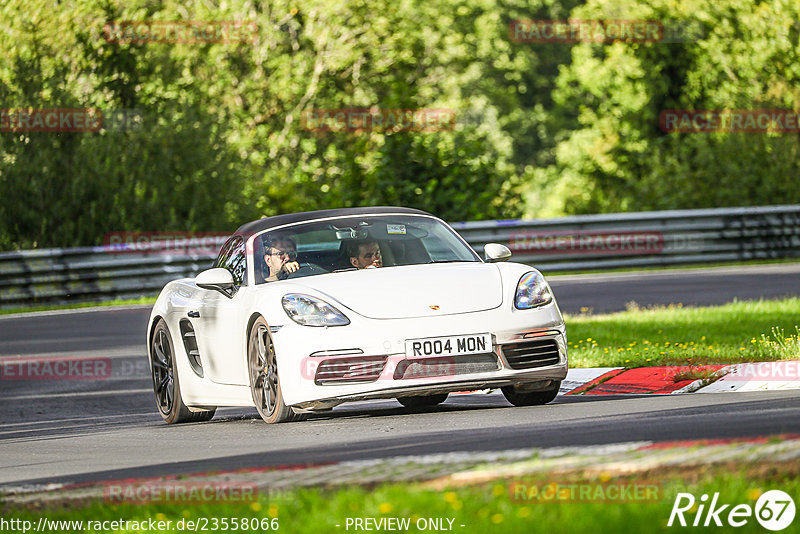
{"points": [[56, 428], [76, 394], [780, 268], [91, 309], [99, 417]]}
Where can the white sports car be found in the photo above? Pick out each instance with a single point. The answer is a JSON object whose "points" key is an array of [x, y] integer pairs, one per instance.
{"points": [[306, 311]]}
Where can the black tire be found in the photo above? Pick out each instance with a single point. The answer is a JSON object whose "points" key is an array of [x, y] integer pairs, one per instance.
{"points": [[425, 401], [532, 398], [166, 384], [265, 384]]}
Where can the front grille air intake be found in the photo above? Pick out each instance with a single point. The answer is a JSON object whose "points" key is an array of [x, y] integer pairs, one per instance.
{"points": [[446, 366], [350, 370], [530, 354]]}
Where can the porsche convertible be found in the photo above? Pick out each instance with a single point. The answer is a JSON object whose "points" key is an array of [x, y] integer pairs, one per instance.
{"points": [[305, 311]]}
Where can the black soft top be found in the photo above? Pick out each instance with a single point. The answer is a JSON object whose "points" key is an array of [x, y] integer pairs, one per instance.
{"points": [[306, 216]]}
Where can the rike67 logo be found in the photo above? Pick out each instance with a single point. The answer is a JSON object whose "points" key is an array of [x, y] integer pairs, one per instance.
{"points": [[774, 510]]}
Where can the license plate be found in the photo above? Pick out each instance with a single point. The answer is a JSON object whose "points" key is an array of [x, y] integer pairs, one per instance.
{"points": [[449, 345]]}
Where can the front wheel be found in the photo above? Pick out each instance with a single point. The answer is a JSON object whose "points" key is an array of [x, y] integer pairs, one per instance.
{"points": [[265, 385], [422, 401], [166, 384], [532, 398]]}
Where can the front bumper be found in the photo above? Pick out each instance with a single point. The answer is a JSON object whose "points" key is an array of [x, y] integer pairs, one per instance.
{"points": [[302, 350]]}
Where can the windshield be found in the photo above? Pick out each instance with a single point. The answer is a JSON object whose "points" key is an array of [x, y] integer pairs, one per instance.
{"points": [[351, 244]]}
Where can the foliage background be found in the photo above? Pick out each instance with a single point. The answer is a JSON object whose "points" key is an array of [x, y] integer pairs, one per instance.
{"points": [[542, 129]]}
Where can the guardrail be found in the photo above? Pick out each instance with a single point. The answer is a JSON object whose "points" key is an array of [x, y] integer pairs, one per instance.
{"points": [[585, 242], [645, 239]]}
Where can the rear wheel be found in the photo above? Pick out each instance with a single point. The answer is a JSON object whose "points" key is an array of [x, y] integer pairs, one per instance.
{"points": [[166, 383], [532, 398], [265, 385], [422, 401]]}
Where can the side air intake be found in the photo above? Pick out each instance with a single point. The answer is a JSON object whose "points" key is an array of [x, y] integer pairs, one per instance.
{"points": [[190, 344]]}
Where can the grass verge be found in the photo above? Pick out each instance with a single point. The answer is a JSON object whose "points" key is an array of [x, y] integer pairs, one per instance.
{"points": [[764, 330], [79, 305], [498, 506]]}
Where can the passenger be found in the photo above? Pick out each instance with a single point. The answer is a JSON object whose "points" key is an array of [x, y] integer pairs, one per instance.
{"points": [[365, 254], [280, 255]]}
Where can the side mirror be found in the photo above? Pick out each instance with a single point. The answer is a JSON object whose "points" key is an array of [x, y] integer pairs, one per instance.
{"points": [[217, 279], [494, 252]]}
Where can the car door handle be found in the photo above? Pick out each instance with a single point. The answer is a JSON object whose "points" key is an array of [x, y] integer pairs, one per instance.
{"points": [[193, 314]]}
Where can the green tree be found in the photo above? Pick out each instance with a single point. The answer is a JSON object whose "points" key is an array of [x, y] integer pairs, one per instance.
{"points": [[744, 56]]}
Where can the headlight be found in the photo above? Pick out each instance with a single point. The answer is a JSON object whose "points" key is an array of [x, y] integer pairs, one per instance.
{"points": [[532, 291], [311, 311]]}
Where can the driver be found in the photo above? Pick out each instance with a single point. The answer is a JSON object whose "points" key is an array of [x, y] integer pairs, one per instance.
{"points": [[365, 254], [280, 255]]}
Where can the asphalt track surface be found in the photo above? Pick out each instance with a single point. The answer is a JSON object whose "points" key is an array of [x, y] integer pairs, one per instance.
{"points": [[83, 430]]}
